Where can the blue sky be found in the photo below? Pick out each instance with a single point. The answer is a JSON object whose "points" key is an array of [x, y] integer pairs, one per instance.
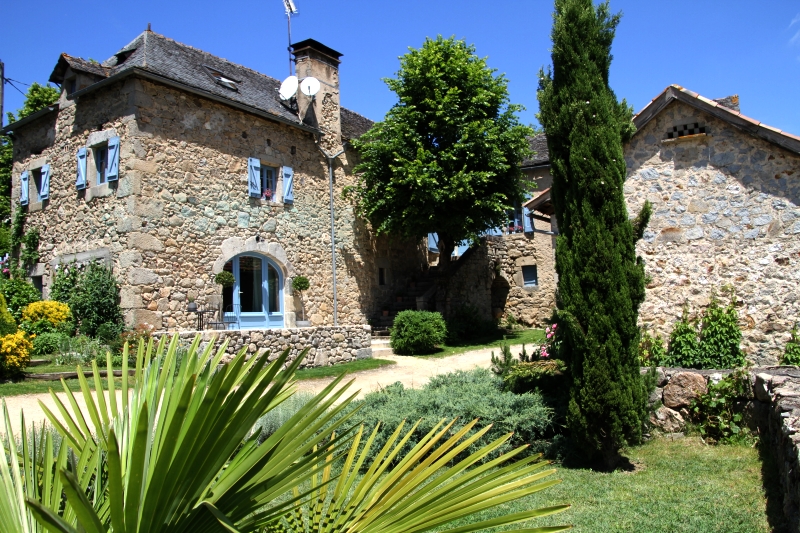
{"points": [[712, 47]]}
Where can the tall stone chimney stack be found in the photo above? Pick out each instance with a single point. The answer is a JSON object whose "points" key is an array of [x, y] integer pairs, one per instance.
{"points": [[313, 58]]}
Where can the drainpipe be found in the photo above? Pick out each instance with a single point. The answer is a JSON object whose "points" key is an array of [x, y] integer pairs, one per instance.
{"points": [[331, 158]]}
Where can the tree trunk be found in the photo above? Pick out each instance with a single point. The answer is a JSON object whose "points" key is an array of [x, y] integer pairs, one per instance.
{"points": [[446, 246]]}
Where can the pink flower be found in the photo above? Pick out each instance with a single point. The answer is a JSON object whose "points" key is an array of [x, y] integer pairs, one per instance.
{"points": [[549, 335], [555, 326]]}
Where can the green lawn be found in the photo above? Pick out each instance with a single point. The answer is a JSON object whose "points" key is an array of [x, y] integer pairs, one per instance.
{"points": [[681, 486], [530, 337], [30, 386], [344, 368]]}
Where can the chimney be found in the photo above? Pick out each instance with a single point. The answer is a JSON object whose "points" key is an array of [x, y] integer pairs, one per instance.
{"points": [[731, 102], [313, 58]]}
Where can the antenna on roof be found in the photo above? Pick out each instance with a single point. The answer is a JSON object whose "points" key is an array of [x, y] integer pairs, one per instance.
{"points": [[290, 10], [148, 27]]}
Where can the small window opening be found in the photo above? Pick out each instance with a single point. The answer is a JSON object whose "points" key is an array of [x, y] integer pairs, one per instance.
{"points": [[101, 162], [685, 130], [530, 276], [222, 79], [37, 181], [72, 85], [269, 185], [38, 283], [381, 276]]}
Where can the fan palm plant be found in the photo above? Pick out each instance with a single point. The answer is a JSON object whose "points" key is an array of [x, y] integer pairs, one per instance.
{"points": [[32, 471], [176, 455]]}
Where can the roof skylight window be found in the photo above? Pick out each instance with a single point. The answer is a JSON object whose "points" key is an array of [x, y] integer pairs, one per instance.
{"points": [[222, 79]]}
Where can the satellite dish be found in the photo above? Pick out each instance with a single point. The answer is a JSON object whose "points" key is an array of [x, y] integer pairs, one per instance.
{"points": [[288, 88], [309, 86]]}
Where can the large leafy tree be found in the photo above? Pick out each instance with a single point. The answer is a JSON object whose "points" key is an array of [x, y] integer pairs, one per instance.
{"points": [[600, 279], [446, 157]]}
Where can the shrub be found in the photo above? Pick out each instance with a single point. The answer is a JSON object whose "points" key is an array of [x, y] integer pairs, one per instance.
{"points": [[278, 416], [465, 324], [714, 344], [54, 312], [19, 294], [96, 300], [417, 332], [7, 323], [142, 332], [47, 343], [716, 413], [546, 375], [651, 349], [225, 278], [14, 354], [65, 283], [465, 395], [109, 332], [791, 355], [79, 350]]}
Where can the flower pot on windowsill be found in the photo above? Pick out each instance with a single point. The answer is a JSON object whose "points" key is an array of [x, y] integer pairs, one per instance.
{"points": [[303, 323]]}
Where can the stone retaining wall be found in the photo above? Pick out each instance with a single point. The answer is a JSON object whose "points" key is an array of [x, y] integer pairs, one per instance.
{"points": [[328, 345], [771, 407]]}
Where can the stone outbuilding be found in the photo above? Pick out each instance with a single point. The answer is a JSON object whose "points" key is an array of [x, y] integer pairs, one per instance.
{"points": [[173, 165], [726, 213]]}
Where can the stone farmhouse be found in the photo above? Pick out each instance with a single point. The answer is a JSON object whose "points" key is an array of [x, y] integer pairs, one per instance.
{"points": [[173, 165], [725, 198]]}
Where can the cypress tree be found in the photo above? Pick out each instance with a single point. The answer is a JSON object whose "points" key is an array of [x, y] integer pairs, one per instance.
{"points": [[600, 279]]}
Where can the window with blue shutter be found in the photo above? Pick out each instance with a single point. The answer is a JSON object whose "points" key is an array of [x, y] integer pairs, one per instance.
{"points": [[23, 188], [80, 182], [269, 183], [527, 223], [530, 276], [44, 183], [254, 177], [288, 185], [112, 172]]}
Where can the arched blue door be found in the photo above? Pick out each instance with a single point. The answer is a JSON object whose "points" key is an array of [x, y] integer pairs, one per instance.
{"points": [[256, 298]]}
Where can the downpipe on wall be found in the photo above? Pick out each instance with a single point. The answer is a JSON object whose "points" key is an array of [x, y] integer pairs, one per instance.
{"points": [[331, 159]]}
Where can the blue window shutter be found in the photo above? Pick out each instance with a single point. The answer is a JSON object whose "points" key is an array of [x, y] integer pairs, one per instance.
{"points": [[530, 276], [288, 185], [527, 223], [254, 177], [112, 174], [433, 243], [44, 192], [23, 188], [80, 182]]}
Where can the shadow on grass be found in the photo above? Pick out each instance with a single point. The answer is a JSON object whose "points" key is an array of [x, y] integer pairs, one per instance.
{"points": [[770, 480]]}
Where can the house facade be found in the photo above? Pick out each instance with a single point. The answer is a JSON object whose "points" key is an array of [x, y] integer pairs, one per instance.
{"points": [[174, 165]]}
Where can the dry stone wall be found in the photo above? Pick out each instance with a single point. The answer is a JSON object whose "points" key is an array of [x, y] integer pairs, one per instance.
{"points": [[327, 345], [181, 206], [725, 213]]}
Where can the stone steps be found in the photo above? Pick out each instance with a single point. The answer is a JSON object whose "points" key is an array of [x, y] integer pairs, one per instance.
{"points": [[380, 347]]}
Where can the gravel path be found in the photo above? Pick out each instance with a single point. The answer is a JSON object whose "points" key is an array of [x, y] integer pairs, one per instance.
{"points": [[410, 371]]}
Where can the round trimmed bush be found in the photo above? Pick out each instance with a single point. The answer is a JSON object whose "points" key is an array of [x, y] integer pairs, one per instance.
{"points": [[417, 332], [15, 353], [7, 323]]}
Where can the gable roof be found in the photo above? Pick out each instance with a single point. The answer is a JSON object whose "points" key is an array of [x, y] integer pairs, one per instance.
{"points": [[716, 109], [161, 59]]}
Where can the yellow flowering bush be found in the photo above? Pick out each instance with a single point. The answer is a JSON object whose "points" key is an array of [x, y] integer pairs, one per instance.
{"points": [[52, 311], [15, 353]]}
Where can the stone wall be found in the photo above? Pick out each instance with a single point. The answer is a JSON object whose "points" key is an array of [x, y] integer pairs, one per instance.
{"points": [[181, 207], [327, 345], [725, 213], [489, 278], [771, 406]]}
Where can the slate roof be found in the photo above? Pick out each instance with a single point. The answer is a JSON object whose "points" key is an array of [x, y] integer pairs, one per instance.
{"points": [[717, 109], [541, 156], [193, 68]]}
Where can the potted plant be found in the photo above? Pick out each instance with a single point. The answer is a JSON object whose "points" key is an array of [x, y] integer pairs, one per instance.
{"points": [[192, 306], [399, 296], [224, 278], [300, 284]]}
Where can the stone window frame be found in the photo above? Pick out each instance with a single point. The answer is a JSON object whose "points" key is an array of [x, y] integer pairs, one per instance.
{"points": [[34, 185], [277, 194], [96, 140], [518, 277]]}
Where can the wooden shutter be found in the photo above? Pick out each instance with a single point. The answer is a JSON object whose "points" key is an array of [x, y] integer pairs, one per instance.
{"points": [[80, 182], [254, 177], [112, 172], [527, 223], [288, 185], [44, 190], [23, 188]]}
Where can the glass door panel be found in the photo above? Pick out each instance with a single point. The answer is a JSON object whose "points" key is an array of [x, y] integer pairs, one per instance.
{"points": [[250, 285]]}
